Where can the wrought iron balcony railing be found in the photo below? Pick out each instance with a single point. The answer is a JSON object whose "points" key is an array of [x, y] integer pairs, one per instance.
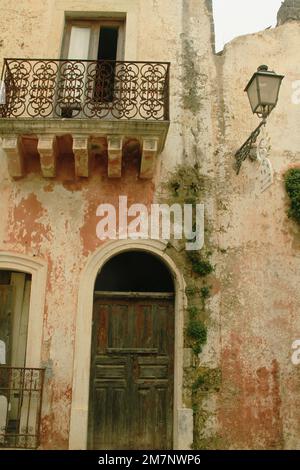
{"points": [[42, 88], [21, 391]]}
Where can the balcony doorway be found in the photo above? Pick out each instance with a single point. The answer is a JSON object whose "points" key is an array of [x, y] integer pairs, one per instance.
{"points": [[97, 46]]}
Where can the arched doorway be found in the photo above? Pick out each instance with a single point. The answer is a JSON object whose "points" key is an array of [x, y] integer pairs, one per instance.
{"points": [[22, 300], [132, 355]]}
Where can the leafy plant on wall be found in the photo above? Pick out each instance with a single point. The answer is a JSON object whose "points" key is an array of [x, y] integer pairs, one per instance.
{"points": [[292, 186]]}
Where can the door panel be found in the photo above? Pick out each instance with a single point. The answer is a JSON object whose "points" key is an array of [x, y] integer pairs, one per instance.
{"points": [[79, 43], [131, 395], [6, 318]]}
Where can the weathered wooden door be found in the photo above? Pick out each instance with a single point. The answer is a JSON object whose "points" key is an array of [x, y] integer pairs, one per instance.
{"points": [[131, 395]]}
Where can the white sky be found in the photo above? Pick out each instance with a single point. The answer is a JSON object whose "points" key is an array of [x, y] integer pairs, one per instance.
{"points": [[237, 17]]}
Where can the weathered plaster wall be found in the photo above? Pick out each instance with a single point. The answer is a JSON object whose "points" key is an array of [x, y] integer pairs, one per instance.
{"points": [[56, 219], [259, 270], [254, 307]]}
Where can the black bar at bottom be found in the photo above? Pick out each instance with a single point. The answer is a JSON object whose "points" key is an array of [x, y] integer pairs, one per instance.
{"points": [[135, 459]]}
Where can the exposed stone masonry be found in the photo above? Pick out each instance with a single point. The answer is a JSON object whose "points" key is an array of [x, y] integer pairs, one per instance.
{"points": [[289, 11]]}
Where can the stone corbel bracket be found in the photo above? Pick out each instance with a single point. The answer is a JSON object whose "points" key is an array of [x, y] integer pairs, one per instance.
{"points": [[12, 147], [149, 156], [81, 156], [47, 149], [114, 151]]}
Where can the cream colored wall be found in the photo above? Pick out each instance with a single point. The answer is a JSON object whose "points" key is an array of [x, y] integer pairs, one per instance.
{"points": [[39, 24], [259, 273]]}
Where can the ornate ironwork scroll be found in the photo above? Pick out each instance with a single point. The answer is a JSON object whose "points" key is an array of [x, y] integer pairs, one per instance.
{"points": [[245, 151], [46, 88]]}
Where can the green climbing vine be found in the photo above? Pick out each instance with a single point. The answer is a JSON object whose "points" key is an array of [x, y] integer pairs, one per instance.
{"points": [[197, 332], [200, 263], [186, 185], [292, 186]]}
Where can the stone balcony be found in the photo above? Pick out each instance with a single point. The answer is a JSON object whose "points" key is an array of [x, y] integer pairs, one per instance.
{"points": [[55, 108]]}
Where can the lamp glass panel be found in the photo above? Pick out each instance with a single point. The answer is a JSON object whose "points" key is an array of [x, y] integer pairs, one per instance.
{"points": [[253, 95], [269, 89]]}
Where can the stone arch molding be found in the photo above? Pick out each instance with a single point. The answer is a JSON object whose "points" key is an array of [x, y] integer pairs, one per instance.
{"points": [[38, 270], [183, 417]]}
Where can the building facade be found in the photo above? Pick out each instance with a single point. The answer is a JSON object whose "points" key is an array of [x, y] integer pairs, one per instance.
{"points": [[133, 342]]}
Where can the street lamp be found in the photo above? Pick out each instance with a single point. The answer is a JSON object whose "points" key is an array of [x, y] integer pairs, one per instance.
{"points": [[263, 91]]}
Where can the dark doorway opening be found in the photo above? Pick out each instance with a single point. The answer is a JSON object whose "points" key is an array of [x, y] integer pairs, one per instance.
{"points": [[135, 271], [106, 69]]}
